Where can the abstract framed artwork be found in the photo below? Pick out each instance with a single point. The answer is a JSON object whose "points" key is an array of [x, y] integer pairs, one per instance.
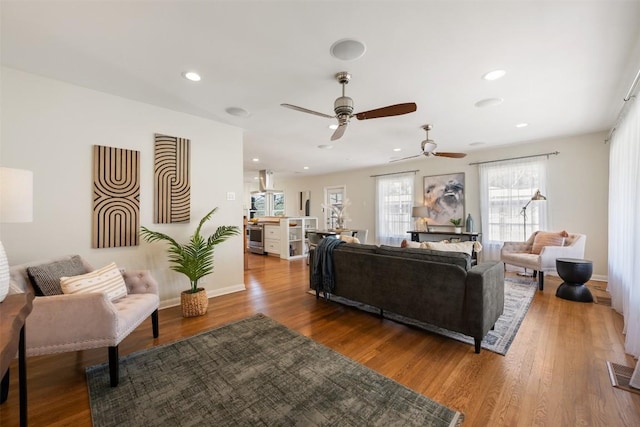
{"points": [[444, 198], [172, 195], [116, 197]]}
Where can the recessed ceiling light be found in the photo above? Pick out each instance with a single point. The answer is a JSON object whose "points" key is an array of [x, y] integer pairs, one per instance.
{"points": [[494, 75], [255, 177], [489, 102], [191, 75], [333, 127], [325, 146], [522, 125], [347, 49], [255, 159], [397, 149], [306, 168], [237, 111], [474, 144]]}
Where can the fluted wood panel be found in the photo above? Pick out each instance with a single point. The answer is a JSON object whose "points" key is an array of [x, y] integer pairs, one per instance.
{"points": [[172, 196], [116, 197]]}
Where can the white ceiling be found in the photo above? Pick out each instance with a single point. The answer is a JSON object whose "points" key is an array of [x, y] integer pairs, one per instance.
{"points": [[569, 64]]}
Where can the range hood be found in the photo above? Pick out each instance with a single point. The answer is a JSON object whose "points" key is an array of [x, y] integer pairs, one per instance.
{"points": [[266, 180]]}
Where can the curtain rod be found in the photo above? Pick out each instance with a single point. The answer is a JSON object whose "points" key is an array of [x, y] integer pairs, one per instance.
{"points": [[393, 173], [626, 100], [555, 153]]}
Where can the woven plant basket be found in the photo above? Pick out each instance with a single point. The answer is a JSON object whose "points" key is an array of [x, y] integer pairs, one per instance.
{"points": [[194, 304]]}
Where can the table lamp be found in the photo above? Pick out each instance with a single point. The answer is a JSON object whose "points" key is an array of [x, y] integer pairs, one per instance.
{"points": [[16, 205], [422, 213]]}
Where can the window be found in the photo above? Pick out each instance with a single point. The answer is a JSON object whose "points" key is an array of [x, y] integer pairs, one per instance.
{"points": [[506, 187], [394, 199], [336, 197]]}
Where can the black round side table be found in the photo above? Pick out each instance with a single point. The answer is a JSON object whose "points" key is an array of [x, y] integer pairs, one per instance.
{"points": [[575, 273]]}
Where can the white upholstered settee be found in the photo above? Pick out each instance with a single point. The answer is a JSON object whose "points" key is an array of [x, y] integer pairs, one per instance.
{"points": [[81, 321], [521, 254]]}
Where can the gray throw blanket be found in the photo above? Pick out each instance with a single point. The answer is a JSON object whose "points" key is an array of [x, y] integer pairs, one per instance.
{"points": [[322, 277]]}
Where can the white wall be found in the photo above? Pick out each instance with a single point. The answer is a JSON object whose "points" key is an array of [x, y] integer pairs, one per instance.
{"points": [[49, 127], [577, 193]]}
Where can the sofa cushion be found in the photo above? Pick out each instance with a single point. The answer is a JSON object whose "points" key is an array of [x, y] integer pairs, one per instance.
{"points": [[107, 279], [456, 258], [464, 247], [546, 238], [349, 239], [45, 278]]}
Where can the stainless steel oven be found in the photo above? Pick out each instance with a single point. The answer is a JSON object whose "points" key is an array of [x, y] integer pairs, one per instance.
{"points": [[256, 238]]}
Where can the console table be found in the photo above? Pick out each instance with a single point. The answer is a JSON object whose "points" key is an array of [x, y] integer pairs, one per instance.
{"points": [[13, 313], [436, 236]]}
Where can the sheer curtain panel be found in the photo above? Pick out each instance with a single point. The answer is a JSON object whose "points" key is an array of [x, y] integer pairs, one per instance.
{"points": [[505, 188], [394, 201], [624, 228]]}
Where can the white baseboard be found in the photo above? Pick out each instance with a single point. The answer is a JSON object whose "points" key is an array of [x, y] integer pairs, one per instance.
{"points": [[173, 302]]}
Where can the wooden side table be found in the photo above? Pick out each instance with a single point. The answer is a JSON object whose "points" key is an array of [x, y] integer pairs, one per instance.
{"points": [[13, 313]]}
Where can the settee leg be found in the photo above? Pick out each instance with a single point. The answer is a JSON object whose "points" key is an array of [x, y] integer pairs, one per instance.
{"points": [[541, 280], [477, 342], [154, 323], [114, 366], [381, 313]]}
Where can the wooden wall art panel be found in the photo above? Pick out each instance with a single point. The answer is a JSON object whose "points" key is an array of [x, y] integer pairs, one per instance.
{"points": [[116, 197], [172, 197]]}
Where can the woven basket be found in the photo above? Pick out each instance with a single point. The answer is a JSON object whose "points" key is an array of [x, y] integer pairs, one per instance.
{"points": [[194, 304]]}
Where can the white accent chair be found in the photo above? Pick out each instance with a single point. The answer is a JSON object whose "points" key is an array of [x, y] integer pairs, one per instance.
{"points": [[519, 254], [62, 323]]}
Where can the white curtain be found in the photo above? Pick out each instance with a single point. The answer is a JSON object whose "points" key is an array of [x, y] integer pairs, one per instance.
{"points": [[394, 201], [624, 228], [505, 189]]}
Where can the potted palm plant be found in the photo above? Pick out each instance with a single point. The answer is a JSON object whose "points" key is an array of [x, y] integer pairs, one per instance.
{"points": [[457, 224], [194, 259]]}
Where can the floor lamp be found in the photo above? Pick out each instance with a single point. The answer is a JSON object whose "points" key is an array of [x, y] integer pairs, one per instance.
{"points": [[536, 196], [16, 205]]}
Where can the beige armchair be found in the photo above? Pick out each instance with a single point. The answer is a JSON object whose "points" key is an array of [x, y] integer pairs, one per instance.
{"points": [[72, 322], [520, 254]]}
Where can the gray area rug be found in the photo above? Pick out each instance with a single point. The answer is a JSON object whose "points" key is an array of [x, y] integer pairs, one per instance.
{"points": [[254, 372], [518, 294]]}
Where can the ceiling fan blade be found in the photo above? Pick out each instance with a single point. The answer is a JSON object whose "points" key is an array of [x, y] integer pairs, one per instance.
{"points": [[406, 158], [306, 110], [339, 132], [451, 155], [391, 110]]}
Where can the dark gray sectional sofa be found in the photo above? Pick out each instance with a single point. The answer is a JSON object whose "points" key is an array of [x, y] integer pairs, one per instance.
{"points": [[440, 288]]}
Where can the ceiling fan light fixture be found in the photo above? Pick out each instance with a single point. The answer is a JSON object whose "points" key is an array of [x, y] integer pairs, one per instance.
{"points": [[489, 102], [494, 75], [348, 49]]}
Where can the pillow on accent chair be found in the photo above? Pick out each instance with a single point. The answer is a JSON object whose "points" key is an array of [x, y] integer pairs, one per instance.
{"points": [[107, 279], [45, 278], [548, 238]]}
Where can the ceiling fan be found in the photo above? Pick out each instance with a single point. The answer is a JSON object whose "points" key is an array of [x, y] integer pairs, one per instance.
{"points": [[343, 109], [429, 149]]}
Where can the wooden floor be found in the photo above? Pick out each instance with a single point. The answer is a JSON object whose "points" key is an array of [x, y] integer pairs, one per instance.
{"points": [[553, 375]]}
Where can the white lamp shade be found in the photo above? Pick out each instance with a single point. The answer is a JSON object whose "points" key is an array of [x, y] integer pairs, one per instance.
{"points": [[16, 195]]}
